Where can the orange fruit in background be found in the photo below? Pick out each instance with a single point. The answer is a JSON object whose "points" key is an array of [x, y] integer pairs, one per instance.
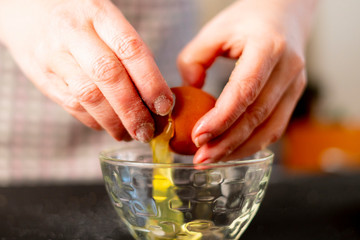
{"points": [[190, 105]]}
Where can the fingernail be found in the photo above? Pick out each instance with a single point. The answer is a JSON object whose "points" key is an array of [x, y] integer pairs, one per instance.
{"points": [[163, 105], [206, 160], [202, 139], [145, 132]]}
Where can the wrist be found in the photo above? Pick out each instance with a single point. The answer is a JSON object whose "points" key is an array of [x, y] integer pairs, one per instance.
{"points": [[304, 11], [299, 17]]}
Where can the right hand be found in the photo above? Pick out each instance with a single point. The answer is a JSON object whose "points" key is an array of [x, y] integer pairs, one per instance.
{"points": [[268, 38], [85, 56]]}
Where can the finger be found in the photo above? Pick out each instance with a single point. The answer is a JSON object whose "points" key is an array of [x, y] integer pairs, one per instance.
{"points": [[121, 37], [268, 132], [272, 131], [245, 84], [109, 74], [56, 89], [198, 56], [126, 137], [260, 110], [88, 94]]}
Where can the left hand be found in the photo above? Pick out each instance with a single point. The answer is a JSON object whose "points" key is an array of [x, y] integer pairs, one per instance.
{"points": [[268, 37]]}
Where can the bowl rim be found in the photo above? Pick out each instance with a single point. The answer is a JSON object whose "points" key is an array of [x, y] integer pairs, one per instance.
{"points": [[267, 155]]}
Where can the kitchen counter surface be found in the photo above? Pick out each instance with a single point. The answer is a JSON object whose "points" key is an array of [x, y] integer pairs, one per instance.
{"points": [[301, 207]]}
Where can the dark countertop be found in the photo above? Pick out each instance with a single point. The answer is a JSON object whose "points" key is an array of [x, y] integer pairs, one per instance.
{"points": [[303, 207]]}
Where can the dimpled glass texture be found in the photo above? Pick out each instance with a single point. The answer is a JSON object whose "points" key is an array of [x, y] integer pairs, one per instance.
{"points": [[207, 201]]}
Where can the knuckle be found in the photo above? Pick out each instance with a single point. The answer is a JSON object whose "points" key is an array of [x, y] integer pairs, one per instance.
{"points": [[122, 136], [73, 105], [222, 153], [94, 3], [152, 79], [126, 137], [129, 47], [275, 136], [228, 150], [65, 19], [136, 109], [279, 44], [181, 59], [229, 119], [134, 113], [106, 69], [250, 88], [95, 126], [298, 62], [90, 94], [185, 58], [257, 115], [116, 129], [302, 83]]}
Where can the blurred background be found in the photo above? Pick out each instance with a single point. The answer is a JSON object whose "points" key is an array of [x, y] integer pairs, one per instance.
{"points": [[324, 134]]}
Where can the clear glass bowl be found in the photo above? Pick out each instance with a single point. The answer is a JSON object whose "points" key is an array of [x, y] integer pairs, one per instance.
{"points": [[182, 200]]}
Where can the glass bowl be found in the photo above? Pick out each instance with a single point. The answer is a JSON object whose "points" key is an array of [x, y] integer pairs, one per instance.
{"points": [[181, 200]]}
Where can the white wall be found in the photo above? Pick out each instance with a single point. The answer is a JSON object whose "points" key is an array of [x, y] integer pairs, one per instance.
{"points": [[334, 57], [209, 8]]}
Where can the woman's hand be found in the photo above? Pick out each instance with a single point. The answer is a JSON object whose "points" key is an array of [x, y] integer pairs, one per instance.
{"points": [[268, 37], [86, 57]]}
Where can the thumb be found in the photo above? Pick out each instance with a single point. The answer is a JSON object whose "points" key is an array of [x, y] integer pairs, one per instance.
{"points": [[198, 56]]}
